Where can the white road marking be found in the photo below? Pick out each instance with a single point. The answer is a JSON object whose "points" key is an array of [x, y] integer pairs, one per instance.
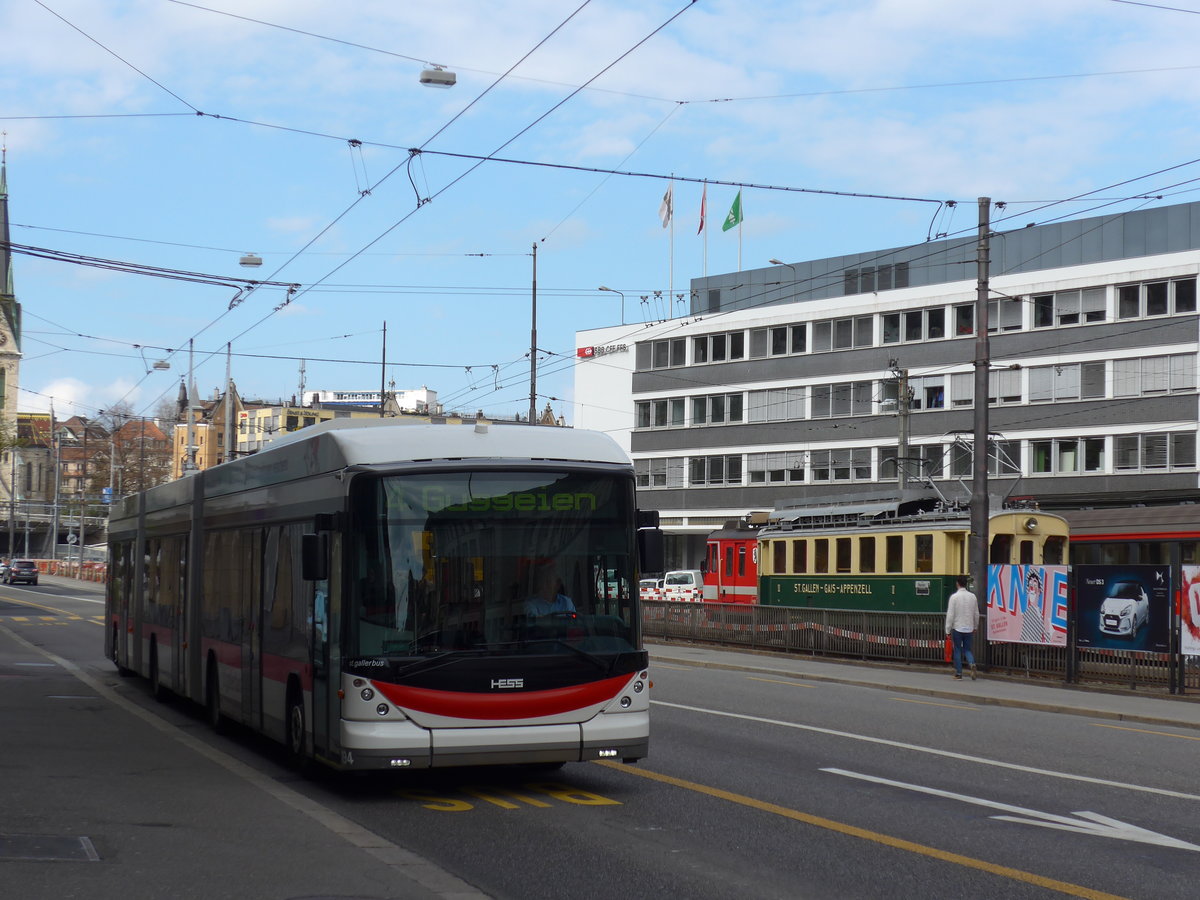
{"points": [[1087, 823], [917, 748]]}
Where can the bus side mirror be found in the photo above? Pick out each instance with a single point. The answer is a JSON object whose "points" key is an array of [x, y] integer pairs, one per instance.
{"points": [[314, 556], [650, 549]]}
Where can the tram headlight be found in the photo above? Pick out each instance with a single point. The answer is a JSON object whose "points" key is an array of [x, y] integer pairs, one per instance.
{"points": [[367, 694]]}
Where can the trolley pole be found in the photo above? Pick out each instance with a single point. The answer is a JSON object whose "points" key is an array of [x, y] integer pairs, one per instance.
{"points": [[979, 482]]}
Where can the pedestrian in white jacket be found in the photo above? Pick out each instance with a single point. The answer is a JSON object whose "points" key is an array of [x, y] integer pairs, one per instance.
{"points": [[962, 615]]}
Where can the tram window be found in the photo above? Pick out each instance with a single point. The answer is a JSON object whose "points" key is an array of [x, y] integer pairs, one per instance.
{"points": [[741, 561], [779, 557], [1001, 552], [895, 553], [866, 554], [1188, 552], [800, 556], [821, 555], [729, 562], [1027, 553], [924, 552], [843, 549], [1053, 551]]}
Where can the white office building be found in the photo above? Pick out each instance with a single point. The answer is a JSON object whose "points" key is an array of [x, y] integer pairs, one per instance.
{"points": [[783, 384]]}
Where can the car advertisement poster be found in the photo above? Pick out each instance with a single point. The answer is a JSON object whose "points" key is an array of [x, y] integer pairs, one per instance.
{"points": [[1123, 607], [1189, 612], [1028, 604]]}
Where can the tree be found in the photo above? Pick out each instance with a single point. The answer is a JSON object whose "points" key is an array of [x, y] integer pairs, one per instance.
{"points": [[137, 454]]}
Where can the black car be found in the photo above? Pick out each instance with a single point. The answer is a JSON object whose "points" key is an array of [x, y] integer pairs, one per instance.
{"points": [[21, 571]]}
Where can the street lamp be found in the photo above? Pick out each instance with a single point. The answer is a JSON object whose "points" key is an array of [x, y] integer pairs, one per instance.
{"points": [[615, 291]]}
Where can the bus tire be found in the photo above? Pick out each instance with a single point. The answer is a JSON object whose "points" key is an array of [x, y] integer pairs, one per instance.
{"points": [[157, 689], [212, 699], [295, 733]]}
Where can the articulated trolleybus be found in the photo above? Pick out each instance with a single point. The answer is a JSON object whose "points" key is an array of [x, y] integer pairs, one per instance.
{"points": [[371, 595]]}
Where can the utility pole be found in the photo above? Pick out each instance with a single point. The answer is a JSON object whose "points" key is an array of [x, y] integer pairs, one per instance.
{"points": [[56, 444], [383, 371], [83, 497], [902, 416], [189, 466], [533, 346], [229, 401], [979, 482]]}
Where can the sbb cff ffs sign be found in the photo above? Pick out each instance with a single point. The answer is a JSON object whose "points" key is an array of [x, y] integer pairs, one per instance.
{"points": [[589, 352]]}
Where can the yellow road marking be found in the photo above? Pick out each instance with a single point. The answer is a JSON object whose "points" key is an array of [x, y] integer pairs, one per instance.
{"points": [[1183, 737], [777, 681], [49, 609], [931, 703], [655, 665], [1062, 887]]}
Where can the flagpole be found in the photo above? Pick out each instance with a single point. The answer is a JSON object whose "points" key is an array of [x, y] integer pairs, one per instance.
{"points": [[703, 212], [671, 265], [741, 218]]}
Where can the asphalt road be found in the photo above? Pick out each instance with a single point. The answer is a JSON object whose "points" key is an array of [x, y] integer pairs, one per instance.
{"points": [[760, 783]]}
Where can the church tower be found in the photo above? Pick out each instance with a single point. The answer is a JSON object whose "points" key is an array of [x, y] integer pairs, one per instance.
{"points": [[10, 314]]}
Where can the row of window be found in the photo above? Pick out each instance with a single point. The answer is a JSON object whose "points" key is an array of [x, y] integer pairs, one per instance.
{"points": [[1123, 454], [1050, 310], [1139, 377]]}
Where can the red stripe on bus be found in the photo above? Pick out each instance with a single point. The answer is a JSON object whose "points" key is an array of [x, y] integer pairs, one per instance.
{"points": [[517, 705], [1136, 536]]}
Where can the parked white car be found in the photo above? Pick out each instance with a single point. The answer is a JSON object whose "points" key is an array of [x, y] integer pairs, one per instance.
{"points": [[684, 584], [650, 588], [1125, 609]]}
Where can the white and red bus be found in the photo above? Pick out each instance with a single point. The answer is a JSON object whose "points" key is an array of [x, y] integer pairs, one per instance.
{"points": [[361, 592]]}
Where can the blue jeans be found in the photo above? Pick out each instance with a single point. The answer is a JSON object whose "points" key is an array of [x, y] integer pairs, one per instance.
{"points": [[962, 645]]}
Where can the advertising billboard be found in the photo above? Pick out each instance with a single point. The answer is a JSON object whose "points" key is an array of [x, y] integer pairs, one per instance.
{"points": [[1123, 607], [1028, 604]]}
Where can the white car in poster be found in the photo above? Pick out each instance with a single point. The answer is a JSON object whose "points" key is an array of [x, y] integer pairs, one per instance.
{"points": [[1125, 609]]}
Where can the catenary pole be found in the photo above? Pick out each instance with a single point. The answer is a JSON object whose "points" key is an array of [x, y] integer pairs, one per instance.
{"points": [[979, 482]]}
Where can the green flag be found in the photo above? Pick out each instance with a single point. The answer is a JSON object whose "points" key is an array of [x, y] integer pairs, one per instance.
{"points": [[735, 213]]}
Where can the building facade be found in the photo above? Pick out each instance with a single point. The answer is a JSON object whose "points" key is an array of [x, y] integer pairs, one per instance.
{"points": [[795, 383]]}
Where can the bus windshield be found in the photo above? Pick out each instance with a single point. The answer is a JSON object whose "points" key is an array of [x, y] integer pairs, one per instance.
{"points": [[480, 562]]}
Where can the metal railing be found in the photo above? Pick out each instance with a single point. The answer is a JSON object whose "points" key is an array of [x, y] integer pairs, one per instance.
{"points": [[897, 637]]}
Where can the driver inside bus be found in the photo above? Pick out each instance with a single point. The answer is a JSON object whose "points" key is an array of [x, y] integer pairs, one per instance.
{"points": [[548, 598]]}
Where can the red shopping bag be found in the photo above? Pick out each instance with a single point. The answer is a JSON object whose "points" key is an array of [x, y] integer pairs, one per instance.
{"points": [[949, 651]]}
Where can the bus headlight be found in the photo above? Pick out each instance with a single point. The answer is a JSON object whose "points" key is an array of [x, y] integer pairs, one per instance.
{"points": [[639, 686], [382, 709], [367, 694], [626, 702]]}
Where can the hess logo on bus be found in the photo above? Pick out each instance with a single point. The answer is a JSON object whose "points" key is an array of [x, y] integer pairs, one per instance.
{"points": [[500, 684]]}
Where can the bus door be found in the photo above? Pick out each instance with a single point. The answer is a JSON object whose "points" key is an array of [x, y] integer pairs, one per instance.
{"points": [[325, 608], [250, 595]]}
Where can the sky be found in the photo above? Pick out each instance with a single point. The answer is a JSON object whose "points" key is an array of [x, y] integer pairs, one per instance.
{"points": [[158, 137]]}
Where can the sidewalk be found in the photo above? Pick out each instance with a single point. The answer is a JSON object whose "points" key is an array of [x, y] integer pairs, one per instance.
{"points": [[1142, 707]]}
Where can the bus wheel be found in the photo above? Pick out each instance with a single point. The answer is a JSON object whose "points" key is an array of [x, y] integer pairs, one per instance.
{"points": [[296, 737], [157, 690], [212, 700]]}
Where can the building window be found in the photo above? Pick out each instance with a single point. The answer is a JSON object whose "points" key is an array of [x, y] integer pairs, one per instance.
{"points": [[1069, 307], [666, 354], [775, 468], [1151, 452], [1156, 298], [776, 405], [665, 413], [717, 348], [1005, 314], [716, 470], [717, 409], [843, 334], [662, 472], [848, 399], [841, 464], [914, 325]]}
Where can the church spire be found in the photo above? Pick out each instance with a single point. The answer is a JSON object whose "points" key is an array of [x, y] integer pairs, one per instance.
{"points": [[9, 306]]}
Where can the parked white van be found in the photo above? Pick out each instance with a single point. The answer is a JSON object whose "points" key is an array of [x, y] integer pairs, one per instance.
{"points": [[684, 584]]}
